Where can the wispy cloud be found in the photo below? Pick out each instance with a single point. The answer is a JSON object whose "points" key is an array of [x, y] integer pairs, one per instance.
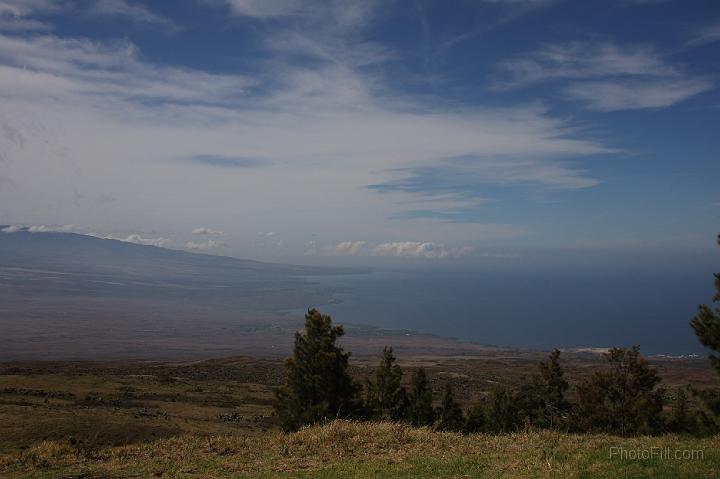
{"points": [[136, 239], [227, 161], [207, 232], [637, 94], [329, 123], [136, 12], [263, 8], [349, 247], [205, 246], [14, 14], [706, 34], [605, 76], [98, 114], [64, 68], [38, 229], [417, 249], [22, 8], [397, 249], [467, 174]]}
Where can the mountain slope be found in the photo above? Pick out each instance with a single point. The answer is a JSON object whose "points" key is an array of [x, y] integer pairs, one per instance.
{"points": [[65, 295]]}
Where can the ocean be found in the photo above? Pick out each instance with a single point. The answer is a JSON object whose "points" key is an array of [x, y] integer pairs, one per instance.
{"points": [[540, 311]]}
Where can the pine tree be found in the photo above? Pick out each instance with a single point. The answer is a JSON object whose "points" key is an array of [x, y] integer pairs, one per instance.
{"points": [[390, 393], [680, 420], [450, 416], [317, 386], [621, 399], [502, 412], [554, 387], [706, 325], [420, 409], [476, 421]]}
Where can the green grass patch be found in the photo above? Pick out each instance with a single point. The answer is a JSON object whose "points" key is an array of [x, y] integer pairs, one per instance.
{"points": [[360, 450]]}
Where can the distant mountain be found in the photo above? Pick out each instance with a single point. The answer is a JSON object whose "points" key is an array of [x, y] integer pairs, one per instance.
{"points": [[66, 295], [38, 265], [84, 253]]}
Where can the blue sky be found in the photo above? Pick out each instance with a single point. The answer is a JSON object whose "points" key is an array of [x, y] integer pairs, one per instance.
{"points": [[344, 131]]}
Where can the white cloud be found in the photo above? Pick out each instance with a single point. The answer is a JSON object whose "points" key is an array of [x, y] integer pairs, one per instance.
{"points": [[605, 76], [14, 14], [207, 245], [136, 12], [416, 249], [84, 122], [400, 249], [49, 229], [10, 23], [264, 8], [39, 229], [349, 247], [708, 34], [334, 13], [22, 8], [636, 94], [584, 60], [69, 67], [207, 232], [136, 239]]}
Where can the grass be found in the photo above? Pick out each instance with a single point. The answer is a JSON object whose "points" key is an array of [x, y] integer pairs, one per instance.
{"points": [[213, 419], [343, 449]]}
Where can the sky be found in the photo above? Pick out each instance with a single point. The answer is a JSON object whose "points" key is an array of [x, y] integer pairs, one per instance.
{"points": [[349, 132]]}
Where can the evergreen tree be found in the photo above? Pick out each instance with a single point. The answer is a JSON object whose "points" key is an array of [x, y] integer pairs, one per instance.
{"points": [[555, 407], [390, 393], [476, 421], [317, 385], [706, 325], [530, 403], [369, 408], [539, 401], [450, 416], [621, 399], [501, 411], [680, 420], [420, 408]]}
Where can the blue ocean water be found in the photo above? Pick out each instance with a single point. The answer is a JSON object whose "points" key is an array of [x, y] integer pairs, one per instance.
{"points": [[535, 311]]}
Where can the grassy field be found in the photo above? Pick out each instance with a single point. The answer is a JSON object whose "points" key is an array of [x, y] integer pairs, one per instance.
{"points": [[214, 419], [355, 450]]}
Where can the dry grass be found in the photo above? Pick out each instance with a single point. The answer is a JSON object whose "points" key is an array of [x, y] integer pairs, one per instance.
{"points": [[212, 419], [355, 450]]}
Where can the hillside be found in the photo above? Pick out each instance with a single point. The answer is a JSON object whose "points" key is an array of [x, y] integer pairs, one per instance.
{"points": [[353, 450], [72, 296]]}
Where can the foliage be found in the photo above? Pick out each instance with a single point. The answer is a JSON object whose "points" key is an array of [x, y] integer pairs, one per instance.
{"points": [[420, 409], [706, 325], [681, 419], [553, 388], [476, 421], [317, 386], [501, 411], [450, 415], [391, 399], [621, 399]]}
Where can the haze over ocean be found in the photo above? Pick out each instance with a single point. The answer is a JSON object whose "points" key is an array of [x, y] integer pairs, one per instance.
{"points": [[563, 309]]}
